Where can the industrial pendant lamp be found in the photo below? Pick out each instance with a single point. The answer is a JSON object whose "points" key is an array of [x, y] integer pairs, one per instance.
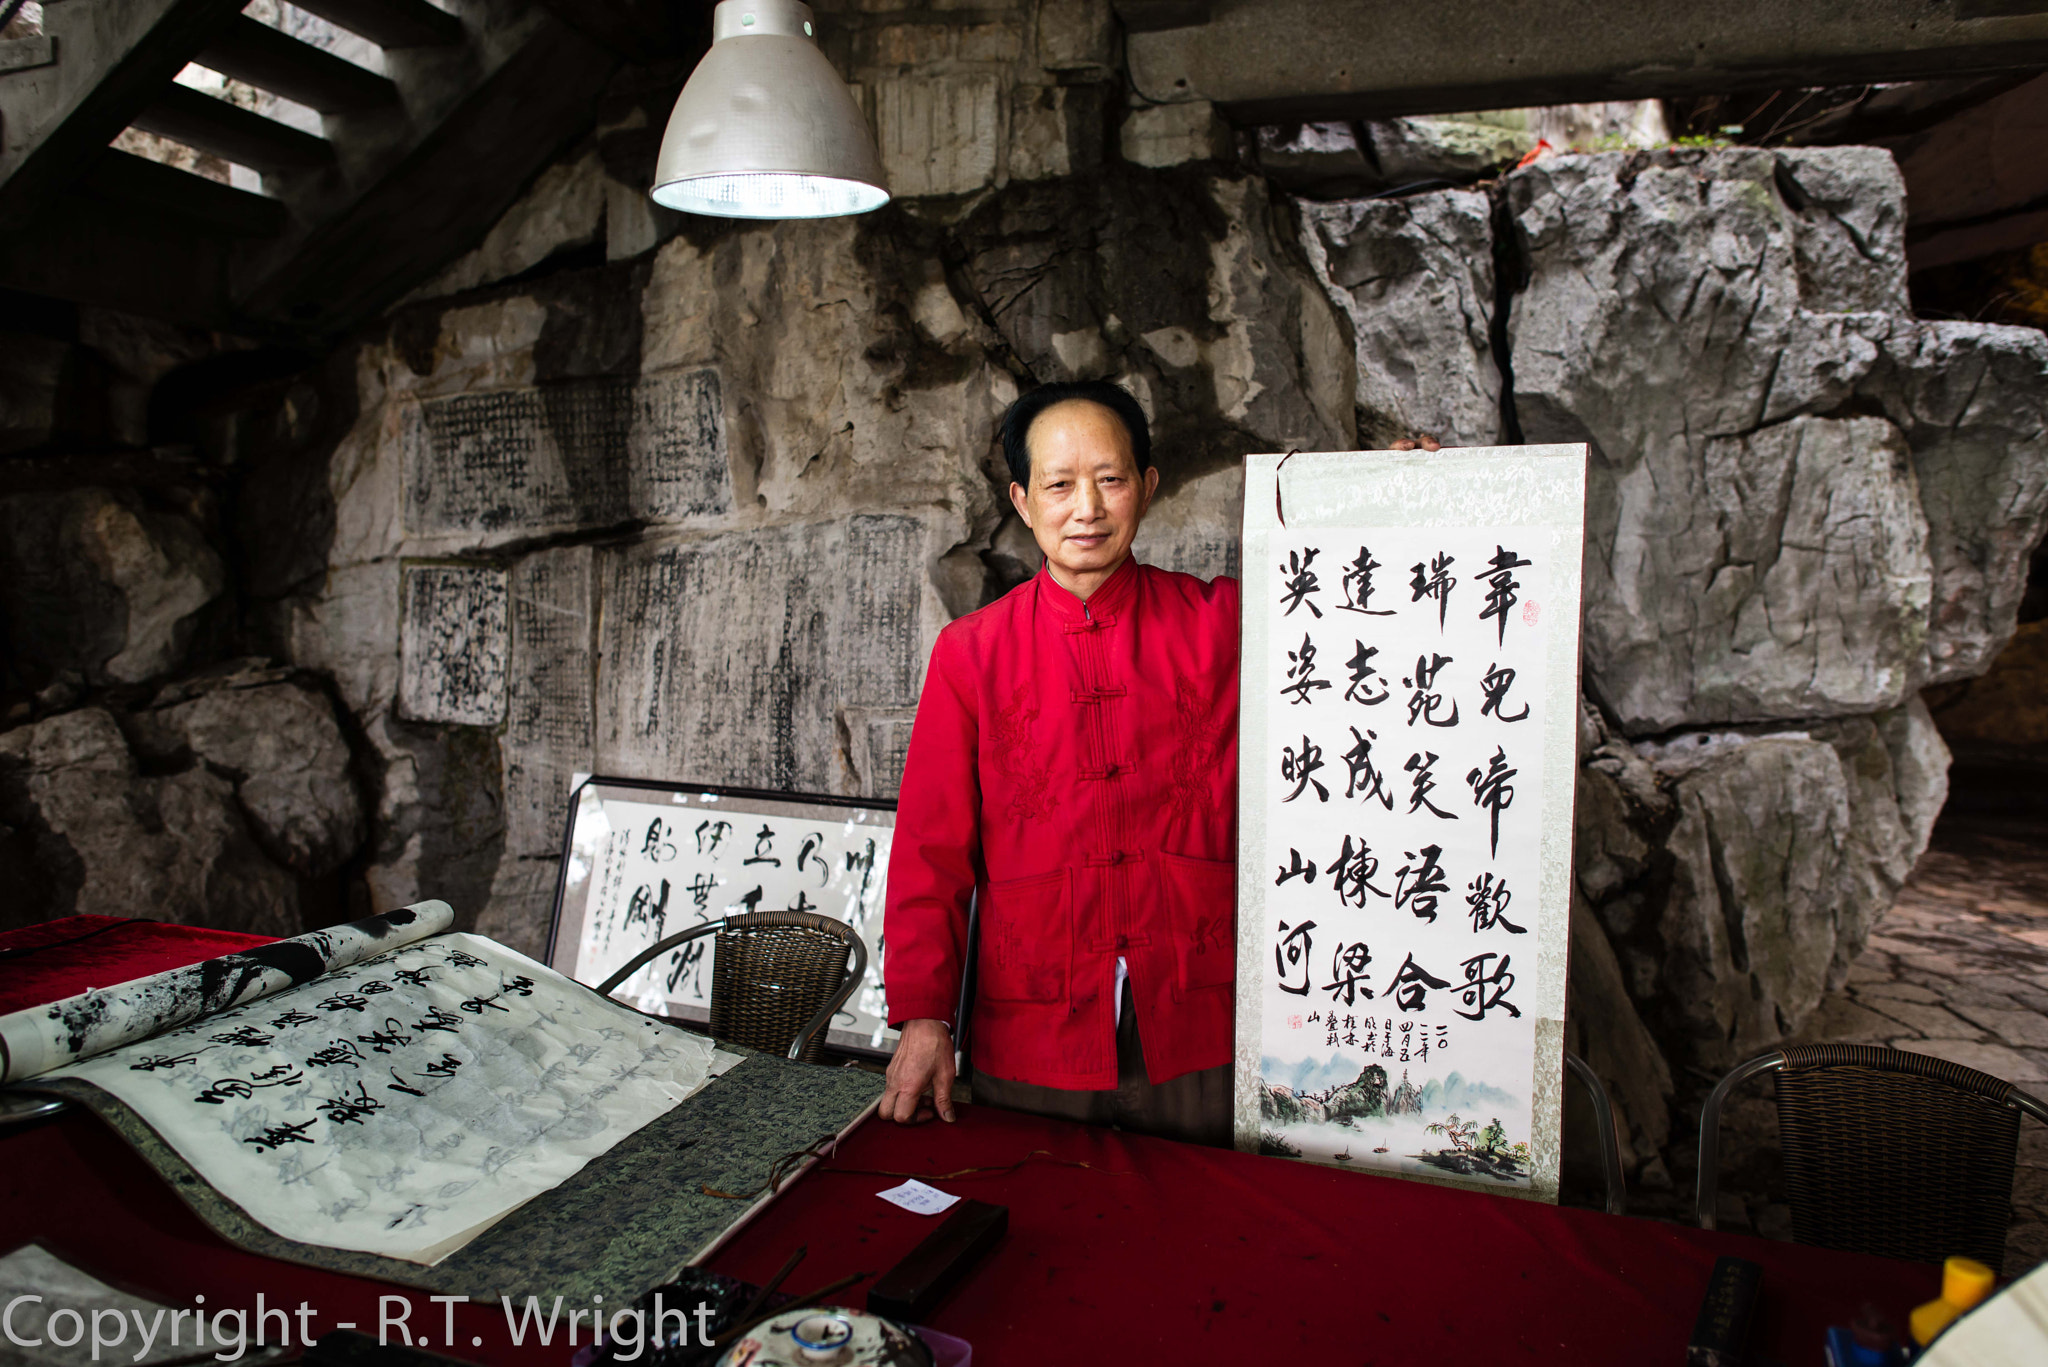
{"points": [[765, 128]]}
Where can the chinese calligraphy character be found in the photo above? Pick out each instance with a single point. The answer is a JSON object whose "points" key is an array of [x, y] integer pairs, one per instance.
{"points": [[343, 1001], [812, 844], [445, 1067], [153, 1062], [1423, 784], [680, 962], [413, 977], [700, 890], [437, 1019], [1419, 894], [459, 959], [1347, 974], [277, 1136], [340, 1054], [655, 847], [1485, 988], [1290, 956], [645, 907], [1301, 582], [717, 830], [1306, 871], [1303, 672], [1365, 781], [1501, 586], [385, 1040], [374, 987], [1489, 898], [763, 843], [291, 1018], [1495, 685], [863, 863], [350, 1110], [1492, 790], [1437, 584], [1424, 702], [248, 1036], [221, 1090], [1362, 672], [1358, 576], [1410, 988], [398, 1084], [1352, 873], [1300, 769]]}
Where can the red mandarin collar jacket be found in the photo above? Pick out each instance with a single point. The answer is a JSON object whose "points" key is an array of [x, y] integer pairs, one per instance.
{"points": [[1075, 765]]}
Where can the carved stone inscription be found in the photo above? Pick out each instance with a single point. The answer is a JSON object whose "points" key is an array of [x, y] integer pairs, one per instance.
{"points": [[453, 645], [547, 723], [728, 659], [587, 453]]}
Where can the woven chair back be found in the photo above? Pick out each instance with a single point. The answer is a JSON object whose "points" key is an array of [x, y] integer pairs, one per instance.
{"points": [[1896, 1154], [773, 971]]}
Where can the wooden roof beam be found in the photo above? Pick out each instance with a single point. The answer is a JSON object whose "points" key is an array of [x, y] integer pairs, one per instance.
{"points": [[229, 131], [275, 61]]}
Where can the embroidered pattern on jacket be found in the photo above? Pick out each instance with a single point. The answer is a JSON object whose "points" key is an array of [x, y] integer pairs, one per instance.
{"points": [[1194, 754], [1015, 758]]}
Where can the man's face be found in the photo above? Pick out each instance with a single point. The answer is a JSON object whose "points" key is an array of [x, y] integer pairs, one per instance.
{"points": [[1086, 496]]}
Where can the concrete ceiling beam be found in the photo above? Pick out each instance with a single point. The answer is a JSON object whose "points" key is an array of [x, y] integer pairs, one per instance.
{"points": [[1268, 61]]}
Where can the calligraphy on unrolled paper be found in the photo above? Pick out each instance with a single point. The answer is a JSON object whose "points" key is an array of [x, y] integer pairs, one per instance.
{"points": [[417, 1127]]}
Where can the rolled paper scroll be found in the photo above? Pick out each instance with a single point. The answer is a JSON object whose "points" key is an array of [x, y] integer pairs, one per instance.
{"points": [[40, 1038]]}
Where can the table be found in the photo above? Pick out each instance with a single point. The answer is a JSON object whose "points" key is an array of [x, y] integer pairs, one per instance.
{"points": [[52, 960], [1153, 1252]]}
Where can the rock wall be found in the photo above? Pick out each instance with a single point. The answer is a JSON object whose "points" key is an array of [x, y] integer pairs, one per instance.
{"points": [[227, 800], [700, 514]]}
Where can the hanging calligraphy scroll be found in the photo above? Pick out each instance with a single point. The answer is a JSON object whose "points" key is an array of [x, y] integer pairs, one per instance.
{"points": [[1408, 755], [644, 860]]}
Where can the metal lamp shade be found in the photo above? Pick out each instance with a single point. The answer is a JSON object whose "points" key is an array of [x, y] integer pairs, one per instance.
{"points": [[765, 128]]}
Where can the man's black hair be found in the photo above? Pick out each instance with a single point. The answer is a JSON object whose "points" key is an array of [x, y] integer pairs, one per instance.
{"points": [[1017, 420]]}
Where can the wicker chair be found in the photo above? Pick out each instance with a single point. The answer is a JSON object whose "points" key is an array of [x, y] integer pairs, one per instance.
{"points": [[1610, 1142], [777, 977], [1886, 1152]]}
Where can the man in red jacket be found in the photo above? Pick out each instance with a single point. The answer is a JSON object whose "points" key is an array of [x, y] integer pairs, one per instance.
{"points": [[1074, 766]]}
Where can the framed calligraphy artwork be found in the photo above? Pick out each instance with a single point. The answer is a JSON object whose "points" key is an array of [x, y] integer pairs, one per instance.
{"points": [[643, 860], [1408, 758]]}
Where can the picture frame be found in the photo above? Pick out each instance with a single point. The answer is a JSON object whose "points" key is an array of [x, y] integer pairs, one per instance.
{"points": [[643, 859]]}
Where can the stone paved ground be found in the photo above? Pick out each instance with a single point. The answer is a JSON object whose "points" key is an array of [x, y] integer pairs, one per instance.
{"points": [[1959, 969]]}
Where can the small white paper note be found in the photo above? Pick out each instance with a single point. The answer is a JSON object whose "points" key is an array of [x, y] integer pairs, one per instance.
{"points": [[919, 1199]]}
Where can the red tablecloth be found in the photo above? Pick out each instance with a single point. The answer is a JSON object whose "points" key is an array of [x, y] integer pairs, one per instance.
{"points": [[1157, 1253], [1160, 1252], [59, 959]]}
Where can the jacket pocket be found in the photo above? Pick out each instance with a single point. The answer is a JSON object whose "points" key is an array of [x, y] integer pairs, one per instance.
{"points": [[1027, 939], [1201, 898]]}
